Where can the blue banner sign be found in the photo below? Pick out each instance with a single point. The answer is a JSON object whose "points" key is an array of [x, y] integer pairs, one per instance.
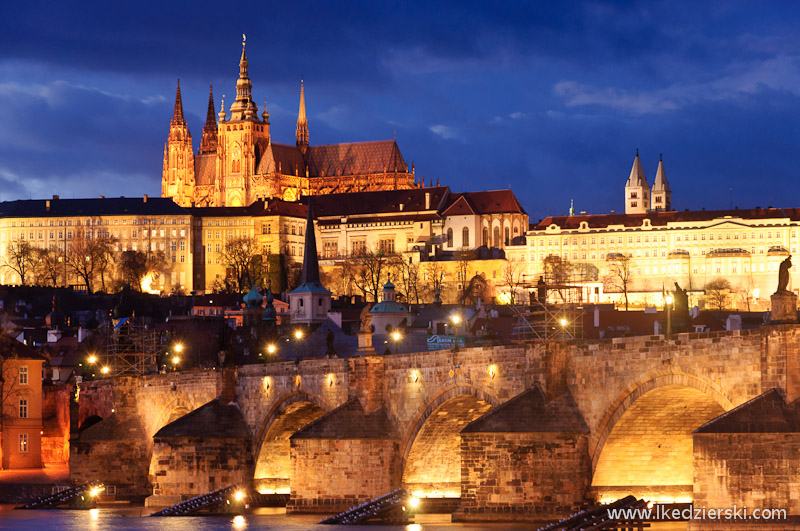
{"points": [[442, 342]]}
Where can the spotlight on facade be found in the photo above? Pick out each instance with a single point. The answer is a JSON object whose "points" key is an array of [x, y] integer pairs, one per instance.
{"points": [[413, 501], [492, 370], [415, 375], [239, 495], [96, 491]]}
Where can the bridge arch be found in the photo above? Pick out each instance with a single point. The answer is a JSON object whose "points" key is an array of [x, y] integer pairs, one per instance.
{"points": [[431, 447], [171, 412], [644, 441], [289, 414]]}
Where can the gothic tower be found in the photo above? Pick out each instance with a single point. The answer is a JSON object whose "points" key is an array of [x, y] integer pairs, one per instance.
{"points": [[208, 143], [637, 191], [178, 173], [242, 140], [302, 123], [662, 196]]}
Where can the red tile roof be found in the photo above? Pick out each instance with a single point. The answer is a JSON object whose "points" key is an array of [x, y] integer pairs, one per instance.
{"points": [[662, 218], [379, 202], [489, 202], [357, 158]]}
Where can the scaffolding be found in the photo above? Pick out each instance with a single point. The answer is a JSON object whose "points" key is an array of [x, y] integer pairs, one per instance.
{"points": [[132, 348], [555, 307]]}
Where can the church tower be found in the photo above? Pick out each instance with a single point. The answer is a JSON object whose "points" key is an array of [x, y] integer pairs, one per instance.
{"points": [[302, 123], [637, 191], [177, 180], [309, 302], [662, 196]]}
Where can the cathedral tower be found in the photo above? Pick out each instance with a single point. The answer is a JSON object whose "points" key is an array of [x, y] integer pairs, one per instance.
{"points": [[177, 180], [662, 196], [637, 191], [208, 144], [302, 123]]}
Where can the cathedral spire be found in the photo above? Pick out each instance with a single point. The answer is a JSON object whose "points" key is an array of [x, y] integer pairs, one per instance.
{"points": [[177, 114], [208, 143], [310, 272], [302, 122], [243, 107], [661, 195]]}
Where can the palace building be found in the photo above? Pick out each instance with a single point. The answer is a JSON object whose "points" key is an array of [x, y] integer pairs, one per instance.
{"points": [[238, 163]]}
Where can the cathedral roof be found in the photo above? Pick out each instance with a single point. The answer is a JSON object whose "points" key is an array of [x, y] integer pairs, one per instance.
{"points": [[358, 158], [282, 159]]}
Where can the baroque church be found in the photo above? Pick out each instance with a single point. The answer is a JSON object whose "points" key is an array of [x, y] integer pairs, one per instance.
{"points": [[237, 162]]}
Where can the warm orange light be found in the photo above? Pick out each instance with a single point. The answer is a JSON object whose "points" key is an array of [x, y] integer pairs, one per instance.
{"points": [[413, 501], [330, 380], [178, 348], [563, 322], [415, 375], [266, 382], [492, 370], [298, 334], [105, 370], [271, 349], [175, 360], [455, 318], [396, 335], [92, 359], [297, 380], [239, 496]]}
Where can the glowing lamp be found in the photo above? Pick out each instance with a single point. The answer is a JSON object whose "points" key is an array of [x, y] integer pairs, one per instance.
{"points": [[413, 501], [271, 349], [298, 334], [178, 348], [92, 359], [415, 375], [239, 495], [175, 360], [492, 370], [563, 322], [105, 370]]}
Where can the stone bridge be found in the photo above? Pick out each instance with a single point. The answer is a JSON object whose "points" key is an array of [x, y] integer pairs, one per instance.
{"points": [[514, 431]]}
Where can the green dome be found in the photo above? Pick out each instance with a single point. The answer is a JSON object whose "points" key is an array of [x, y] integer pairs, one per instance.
{"points": [[253, 298]]}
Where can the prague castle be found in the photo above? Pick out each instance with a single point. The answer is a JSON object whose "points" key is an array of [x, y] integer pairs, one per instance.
{"points": [[238, 163]]}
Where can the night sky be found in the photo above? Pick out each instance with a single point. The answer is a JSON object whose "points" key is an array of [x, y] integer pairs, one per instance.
{"points": [[551, 99]]}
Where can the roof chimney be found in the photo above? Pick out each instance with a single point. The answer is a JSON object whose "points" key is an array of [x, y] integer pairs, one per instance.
{"points": [[55, 196], [102, 197], [144, 198]]}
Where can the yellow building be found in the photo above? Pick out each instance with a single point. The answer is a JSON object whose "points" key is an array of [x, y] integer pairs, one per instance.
{"points": [[21, 395], [238, 163], [68, 226]]}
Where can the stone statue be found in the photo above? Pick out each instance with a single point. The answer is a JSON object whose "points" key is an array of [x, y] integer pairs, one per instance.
{"points": [[783, 275], [331, 351], [366, 319]]}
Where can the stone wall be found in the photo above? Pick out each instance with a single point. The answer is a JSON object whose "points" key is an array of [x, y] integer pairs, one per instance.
{"points": [[114, 462], [757, 470], [331, 475], [522, 476], [186, 467]]}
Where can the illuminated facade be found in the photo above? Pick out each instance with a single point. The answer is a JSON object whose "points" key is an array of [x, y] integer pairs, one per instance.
{"points": [[744, 247], [238, 163], [21, 405]]}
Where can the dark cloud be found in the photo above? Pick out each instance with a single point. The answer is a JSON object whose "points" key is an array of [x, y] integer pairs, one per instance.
{"points": [[549, 98]]}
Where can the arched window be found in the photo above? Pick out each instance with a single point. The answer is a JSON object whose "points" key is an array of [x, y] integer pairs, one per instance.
{"points": [[449, 237], [507, 234], [465, 237], [485, 235], [496, 237]]}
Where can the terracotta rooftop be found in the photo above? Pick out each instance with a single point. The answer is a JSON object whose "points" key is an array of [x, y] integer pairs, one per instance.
{"points": [[662, 218], [488, 202], [109, 206], [766, 413], [378, 202], [349, 421], [530, 412]]}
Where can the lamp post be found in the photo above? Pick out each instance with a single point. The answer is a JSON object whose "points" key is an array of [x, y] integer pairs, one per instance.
{"points": [[456, 319], [668, 303], [397, 336], [298, 335]]}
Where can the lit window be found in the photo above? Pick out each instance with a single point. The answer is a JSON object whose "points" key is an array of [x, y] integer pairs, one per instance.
{"points": [[23, 443], [23, 375]]}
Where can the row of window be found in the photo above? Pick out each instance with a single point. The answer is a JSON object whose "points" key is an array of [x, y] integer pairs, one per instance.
{"points": [[663, 237], [89, 222]]}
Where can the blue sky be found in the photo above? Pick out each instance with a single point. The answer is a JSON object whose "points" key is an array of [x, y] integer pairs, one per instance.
{"points": [[551, 99]]}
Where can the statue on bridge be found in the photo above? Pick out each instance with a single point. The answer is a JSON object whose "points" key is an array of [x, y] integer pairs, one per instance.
{"points": [[783, 275]]}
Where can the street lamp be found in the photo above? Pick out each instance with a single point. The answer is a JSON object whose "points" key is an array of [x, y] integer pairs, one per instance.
{"points": [[92, 359], [175, 361], [105, 370], [456, 319], [397, 336], [178, 348], [668, 303], [298, 335]]}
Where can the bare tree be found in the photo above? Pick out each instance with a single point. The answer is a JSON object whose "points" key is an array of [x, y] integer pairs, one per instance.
{"points": [[20, 258], [433, 277], [48, 267], [370, 270], [104, 249], [718, 293], [464, 260], [557, 273], [512, 277], [242, 258], [87, 257], [409, 276], [619, 274]]}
